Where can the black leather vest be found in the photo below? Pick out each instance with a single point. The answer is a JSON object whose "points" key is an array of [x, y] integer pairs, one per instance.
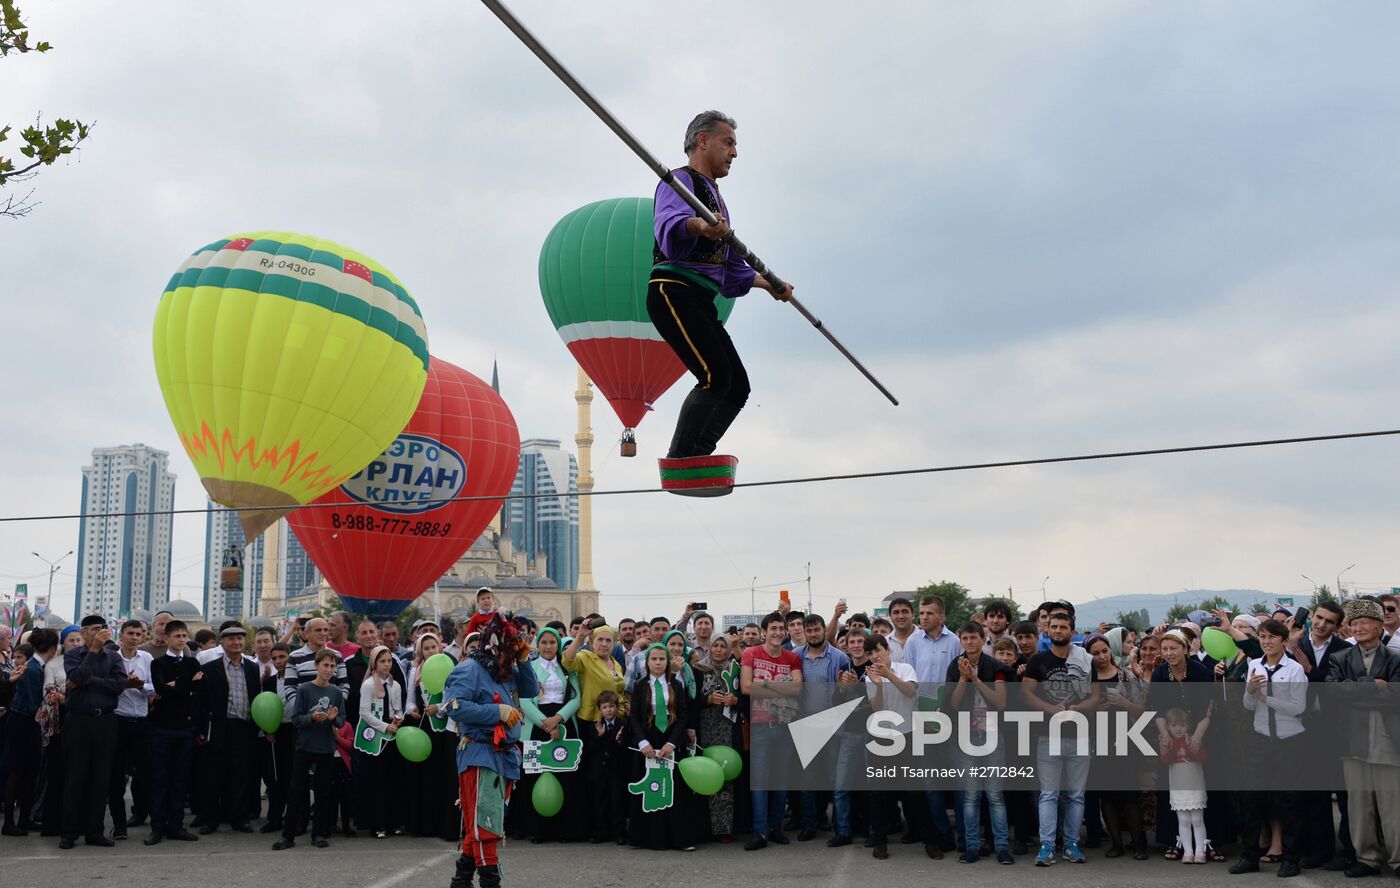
{"points": [[705, 251]]}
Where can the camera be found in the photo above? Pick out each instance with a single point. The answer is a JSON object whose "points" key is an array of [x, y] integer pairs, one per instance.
{"points": [[699, 606]]}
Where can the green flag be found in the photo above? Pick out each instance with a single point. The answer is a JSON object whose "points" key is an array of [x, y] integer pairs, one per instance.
{"points": [[371, 741], [657, 786], [730, 677], [437, 722]]}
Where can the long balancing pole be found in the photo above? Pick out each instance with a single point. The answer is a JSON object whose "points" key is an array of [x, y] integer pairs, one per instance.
{"points": [[664, 173]]}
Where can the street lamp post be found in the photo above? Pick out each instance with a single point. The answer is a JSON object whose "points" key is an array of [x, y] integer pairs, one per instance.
{"points": [[1339, 579], [1042, 586], [53, 569], [1310, 580]]}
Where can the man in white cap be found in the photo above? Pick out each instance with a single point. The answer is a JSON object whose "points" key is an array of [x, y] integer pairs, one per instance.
{"points": [[1370, 754], [229, 684]]}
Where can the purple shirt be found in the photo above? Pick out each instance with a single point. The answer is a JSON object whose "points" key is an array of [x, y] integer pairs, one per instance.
{"points": [[735, 277]]}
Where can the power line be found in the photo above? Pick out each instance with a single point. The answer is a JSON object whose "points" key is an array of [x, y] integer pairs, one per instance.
{"points": [[780, 482], [734, 591]]}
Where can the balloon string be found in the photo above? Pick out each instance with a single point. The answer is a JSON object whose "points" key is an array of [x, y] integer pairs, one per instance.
{"points": [[813, 479]]}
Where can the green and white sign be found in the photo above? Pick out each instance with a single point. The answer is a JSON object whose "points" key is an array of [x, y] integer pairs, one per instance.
{"points": [[369, 740], [657, 786], [553, 755]]}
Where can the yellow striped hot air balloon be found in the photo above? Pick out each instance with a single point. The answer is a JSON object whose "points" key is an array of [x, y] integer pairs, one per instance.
{"points": [[287, 363]]}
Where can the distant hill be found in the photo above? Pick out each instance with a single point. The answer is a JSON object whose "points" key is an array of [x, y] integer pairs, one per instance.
{"points": [[1099, 610]]}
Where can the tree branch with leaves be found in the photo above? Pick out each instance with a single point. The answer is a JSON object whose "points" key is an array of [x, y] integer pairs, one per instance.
{"points": [[42, 144]]}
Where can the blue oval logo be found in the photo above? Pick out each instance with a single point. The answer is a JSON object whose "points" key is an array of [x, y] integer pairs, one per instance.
{"points": [[414, 474]]}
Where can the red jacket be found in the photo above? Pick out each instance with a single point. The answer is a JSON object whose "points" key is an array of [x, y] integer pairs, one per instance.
{"points": [[1179, 751]]}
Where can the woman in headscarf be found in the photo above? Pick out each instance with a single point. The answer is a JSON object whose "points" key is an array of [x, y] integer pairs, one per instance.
{"points": [[1172, 688], [551, 716], [480, 697], [381, 713], [657, 727], [430, 808], [49, 792], [1121, 805], [1120, 645], [719, 724], [682, 667], [596, 668]]}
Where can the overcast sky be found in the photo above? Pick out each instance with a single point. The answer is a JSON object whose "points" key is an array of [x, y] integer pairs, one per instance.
{"points": [[1049, 228]]}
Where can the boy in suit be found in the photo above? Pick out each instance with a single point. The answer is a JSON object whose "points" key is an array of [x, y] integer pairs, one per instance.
{"points": [[176, 678], [605, 769]]}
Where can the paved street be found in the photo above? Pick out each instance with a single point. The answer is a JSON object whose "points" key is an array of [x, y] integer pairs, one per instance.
{"points": [[230, 859]]}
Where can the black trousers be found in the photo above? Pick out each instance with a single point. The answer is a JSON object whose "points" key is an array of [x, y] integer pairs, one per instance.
{"points": [[172, 751], [225, 782], [1021, 814], [130, 757], [685, 316], [607, 792], [311, 771], [884, 814], [89, 742], [53, 786], [1318, 835], [274, 762], [21, 753]]}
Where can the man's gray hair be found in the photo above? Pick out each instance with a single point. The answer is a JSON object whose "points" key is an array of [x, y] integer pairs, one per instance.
{"points": [[705, 122]]}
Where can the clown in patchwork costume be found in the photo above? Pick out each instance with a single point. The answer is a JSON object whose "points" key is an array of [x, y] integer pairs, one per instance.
{"points": [[483, 697]]}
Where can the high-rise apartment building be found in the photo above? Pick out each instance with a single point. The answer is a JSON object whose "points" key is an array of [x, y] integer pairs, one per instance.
{"points": [[124, 559], [545, 528]]}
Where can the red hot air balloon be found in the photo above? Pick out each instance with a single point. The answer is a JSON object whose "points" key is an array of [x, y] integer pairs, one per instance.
{"points": [[392, 531]]}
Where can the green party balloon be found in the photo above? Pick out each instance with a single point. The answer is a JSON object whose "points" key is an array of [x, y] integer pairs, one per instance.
{"points": [[414, 743], [704, 776], [548, 795], [268, 712], [435, 672], [1219, 644], [727, 759]]}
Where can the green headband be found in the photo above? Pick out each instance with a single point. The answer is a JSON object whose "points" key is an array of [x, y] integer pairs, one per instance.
{"points": [[657, 646], [667, 637]]}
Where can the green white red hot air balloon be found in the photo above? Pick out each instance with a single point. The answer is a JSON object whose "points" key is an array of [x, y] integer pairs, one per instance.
{"points": [[594, 268]]}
